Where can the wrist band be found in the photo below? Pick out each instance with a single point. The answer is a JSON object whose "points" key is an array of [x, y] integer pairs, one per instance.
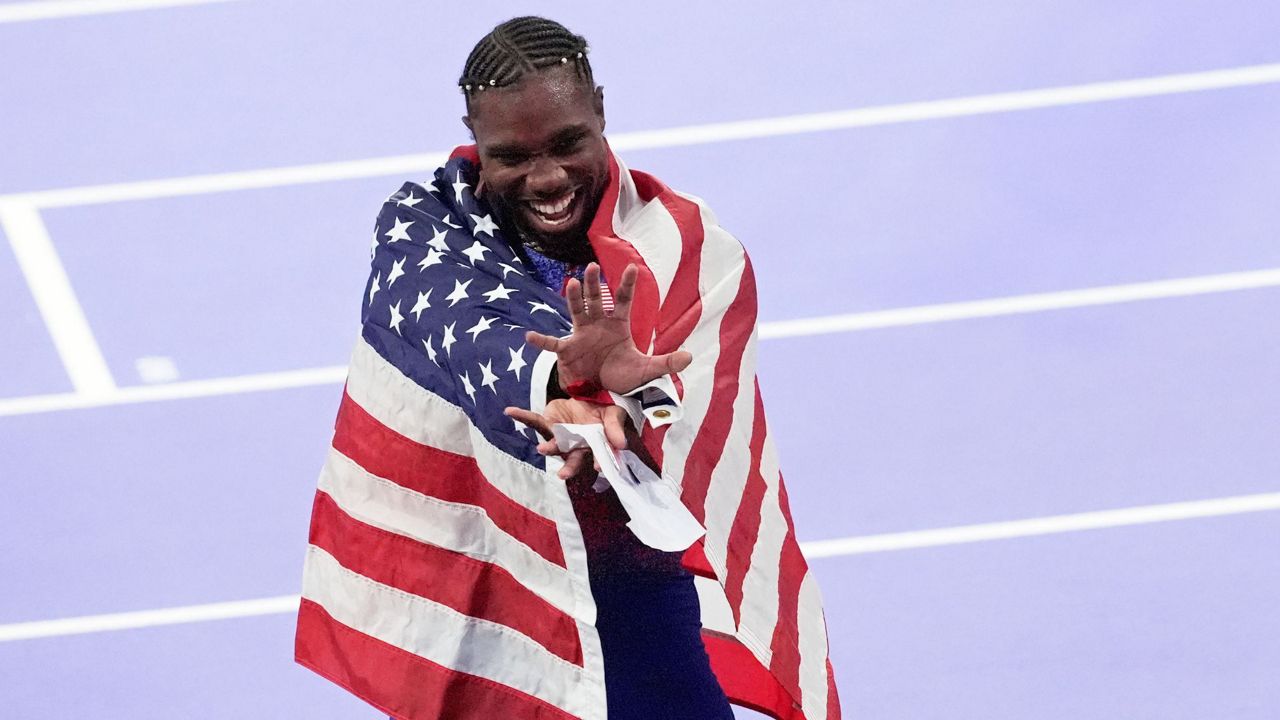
{"points": [[585, 389]]}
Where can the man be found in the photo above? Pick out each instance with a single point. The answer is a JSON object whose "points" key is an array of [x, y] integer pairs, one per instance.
{"points": [[465, 564]]}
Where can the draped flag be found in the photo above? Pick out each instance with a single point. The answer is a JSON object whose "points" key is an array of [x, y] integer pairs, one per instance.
{"points": [[445, 574]]}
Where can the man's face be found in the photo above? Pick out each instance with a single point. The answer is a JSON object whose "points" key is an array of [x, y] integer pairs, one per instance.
{"points": [[543, 158]]}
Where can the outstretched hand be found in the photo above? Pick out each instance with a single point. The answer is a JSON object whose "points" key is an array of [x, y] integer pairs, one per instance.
{"points": [[601, 349], [574, 412]]}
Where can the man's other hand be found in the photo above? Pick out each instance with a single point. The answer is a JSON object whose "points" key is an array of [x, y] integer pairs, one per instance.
{"points": [[575, 412]]}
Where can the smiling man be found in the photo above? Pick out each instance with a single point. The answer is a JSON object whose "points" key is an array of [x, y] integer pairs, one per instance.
{"points": [[469, 558]]}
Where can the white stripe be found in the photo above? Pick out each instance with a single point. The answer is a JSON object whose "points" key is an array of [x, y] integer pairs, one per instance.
{"points": [[42, 268], [1020, 304], [1041, 526], [462, 528], [714, 606], [259, 382], [813, 550], [48, 9], [760, 587], [424, 417], [729, 478], [650, 229], [688, 135], [149, 618], [813, 650], [574, 548], [441, 634], [725, 259]]}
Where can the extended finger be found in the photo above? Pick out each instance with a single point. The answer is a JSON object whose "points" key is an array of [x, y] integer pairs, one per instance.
{"points": [[574, 463], [591, 292], [655, 366], [624, 293], [613, 430], [573, 296], [530, 418], [543, 342]]}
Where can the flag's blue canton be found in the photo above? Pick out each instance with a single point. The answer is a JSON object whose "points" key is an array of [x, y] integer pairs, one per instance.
{"points": [[448, 302]]}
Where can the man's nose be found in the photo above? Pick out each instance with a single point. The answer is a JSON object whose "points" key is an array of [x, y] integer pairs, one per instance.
{"points": [[546, 177]]}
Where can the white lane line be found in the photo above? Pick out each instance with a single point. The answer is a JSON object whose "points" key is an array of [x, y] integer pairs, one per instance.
{"points": [[56, 299], [1041, 526], [679, 136], [812, 550], [1018, 304], [213, 387], [148, 618], [49, 9], [853, 322]]}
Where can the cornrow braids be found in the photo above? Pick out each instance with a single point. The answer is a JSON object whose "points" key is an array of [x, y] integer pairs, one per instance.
{"points": [[519, 46]]}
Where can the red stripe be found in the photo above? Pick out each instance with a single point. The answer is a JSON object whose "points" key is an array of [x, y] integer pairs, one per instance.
{"points": [[746, 523], [402, 684], [472, 587], [833, 697], [708, 445], [439, 474], [745, 681], [786, 635], [615, 254]]}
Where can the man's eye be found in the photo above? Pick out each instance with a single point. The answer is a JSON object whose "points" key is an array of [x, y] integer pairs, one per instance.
{"points": [[508, 160], [567, 147]]}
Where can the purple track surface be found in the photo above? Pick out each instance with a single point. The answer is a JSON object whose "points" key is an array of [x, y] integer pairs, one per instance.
{"points": [[193, 488]]}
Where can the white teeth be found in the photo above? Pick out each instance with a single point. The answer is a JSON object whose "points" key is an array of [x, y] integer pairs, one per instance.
{"points": [[553, 208]]}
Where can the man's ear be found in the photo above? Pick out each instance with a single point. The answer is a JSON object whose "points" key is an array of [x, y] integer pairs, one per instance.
{"points": [[466, 120], [599, 105]]}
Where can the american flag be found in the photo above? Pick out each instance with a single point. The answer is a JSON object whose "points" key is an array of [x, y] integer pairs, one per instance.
{"points": [[446, 575]]}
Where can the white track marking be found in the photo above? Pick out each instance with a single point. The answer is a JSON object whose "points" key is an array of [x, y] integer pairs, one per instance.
{"points": [[56, 299], [149, 618], [1019, 304], [854, 322], [680, 136], [50, 9], [1041, 526], [177, 391], [812, 550]]}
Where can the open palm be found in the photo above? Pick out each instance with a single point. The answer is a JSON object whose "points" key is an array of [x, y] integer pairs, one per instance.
{"points": [[601, 350]]}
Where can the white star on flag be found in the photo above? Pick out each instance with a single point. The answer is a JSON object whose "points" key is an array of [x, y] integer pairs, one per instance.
{"points": [[424, 302], [449, 221], [399, 232], [431, 351], [373, 246], [508, 268], [458, 187], [487, 378], [459, 292], [397, 269], [541, 306], [467, 386], [480, 327], [429, 185], [409, 201], [437, 239], [483, 225], [433, 258], [517, 360], [476, 252], [449, 339], [502, 291], [396, 317], [375, 287]]}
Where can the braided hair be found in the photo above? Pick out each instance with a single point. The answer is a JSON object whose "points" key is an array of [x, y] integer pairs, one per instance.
{"points": [[519, 46]]}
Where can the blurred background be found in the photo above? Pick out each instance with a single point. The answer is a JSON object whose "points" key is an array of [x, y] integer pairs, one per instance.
{"points": [[1019, 269]]}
